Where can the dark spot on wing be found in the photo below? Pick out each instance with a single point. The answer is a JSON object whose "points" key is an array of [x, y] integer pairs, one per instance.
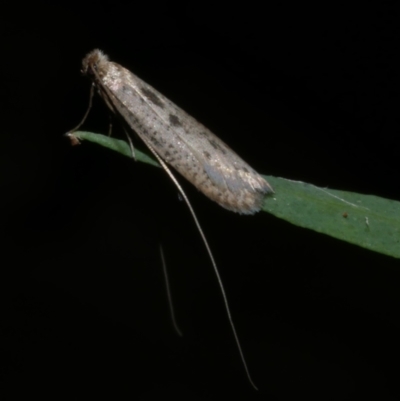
{"points": [[126, 89], [213, 144], [174, 120], [153, 97], [207, 155], [216, 145], [156, 142]]}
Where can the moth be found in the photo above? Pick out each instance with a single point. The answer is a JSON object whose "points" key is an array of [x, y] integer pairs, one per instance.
{"points": [[177, 138]]}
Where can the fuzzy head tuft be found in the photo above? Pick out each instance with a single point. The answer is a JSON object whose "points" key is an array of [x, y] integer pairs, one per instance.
{"points": [[94, 61]]}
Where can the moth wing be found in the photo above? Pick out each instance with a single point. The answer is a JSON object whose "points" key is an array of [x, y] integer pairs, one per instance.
{"points": [[184, 143]]}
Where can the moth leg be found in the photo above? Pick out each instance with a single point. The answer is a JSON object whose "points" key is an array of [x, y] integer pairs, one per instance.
{"points": [[87, 111], [109, 125], [130, 145]]}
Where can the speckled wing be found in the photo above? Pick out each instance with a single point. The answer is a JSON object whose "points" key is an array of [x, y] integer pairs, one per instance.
{"points": [[181, 141]]}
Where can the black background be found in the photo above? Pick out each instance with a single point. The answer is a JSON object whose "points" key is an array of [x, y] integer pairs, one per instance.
{"points": [[300, 92]]}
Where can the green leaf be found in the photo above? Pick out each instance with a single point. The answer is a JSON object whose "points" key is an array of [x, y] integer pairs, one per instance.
{"points": [[114, 144], [364, 220]]}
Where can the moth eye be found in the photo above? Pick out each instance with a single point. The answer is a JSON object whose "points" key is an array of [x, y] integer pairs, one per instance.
{"points": [[91, 70]]}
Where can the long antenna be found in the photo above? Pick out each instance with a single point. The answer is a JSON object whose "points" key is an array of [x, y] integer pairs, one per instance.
{"points": [[169, 296], [225, 298]]}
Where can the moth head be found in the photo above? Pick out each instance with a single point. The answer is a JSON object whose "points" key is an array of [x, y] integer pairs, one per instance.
{"points": [[93, 63]]}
